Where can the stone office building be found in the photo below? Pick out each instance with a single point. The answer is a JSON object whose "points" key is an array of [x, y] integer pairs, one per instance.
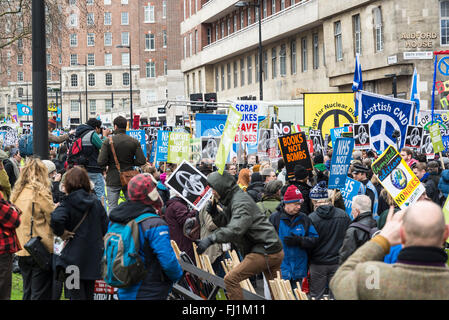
{"points": [[310, 46]]}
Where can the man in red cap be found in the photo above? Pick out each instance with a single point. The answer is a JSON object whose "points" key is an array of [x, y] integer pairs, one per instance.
{"points": [[55, 139], [297, 234]]}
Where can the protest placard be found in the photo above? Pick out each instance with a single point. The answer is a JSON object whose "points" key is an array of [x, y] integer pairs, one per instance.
{"points": [[413, 138], [178, 147], [361, 136], [295, 151], [227, 138], [162, 145], [195, 150], [435, 135], [249, 122], [350, 190], [139, 135], [317, 140], [190, 184], [341, 160], [337, 133], [397, 178], [209, 147]]}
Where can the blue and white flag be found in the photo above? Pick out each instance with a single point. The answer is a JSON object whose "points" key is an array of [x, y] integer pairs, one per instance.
{"points": [[384, 116], [357, 83], [341, 160], [414, 95], [24, 110]]}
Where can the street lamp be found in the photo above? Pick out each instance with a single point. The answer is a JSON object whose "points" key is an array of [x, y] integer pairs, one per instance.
{"points": [[242, 4], [130, 85], [85, 79]]}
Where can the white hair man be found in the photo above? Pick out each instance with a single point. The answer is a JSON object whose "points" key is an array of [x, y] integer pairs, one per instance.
{"points": [[359, 231], [420, 271]]}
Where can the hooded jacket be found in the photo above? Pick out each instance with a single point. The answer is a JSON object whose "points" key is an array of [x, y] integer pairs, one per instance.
{"points": [[443, 185], [256, 187], [331, 224], [85, 249], [163, 266], [241, 221], [431, 188]]}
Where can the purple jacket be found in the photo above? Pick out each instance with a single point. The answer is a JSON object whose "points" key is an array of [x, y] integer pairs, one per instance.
{"points": [[176, 214]]}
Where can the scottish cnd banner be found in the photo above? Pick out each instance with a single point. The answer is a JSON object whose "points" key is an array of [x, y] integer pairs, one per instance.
{"points": [[385, 115]]}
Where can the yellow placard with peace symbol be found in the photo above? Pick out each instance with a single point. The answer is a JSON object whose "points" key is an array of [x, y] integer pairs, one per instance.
{"points": [[325, 111]]}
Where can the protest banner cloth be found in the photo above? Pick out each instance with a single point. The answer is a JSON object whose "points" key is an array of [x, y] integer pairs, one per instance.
{"points": [[209, 147], [350, 190], [413, 138], [435, 135], [295, 151], [361, 136], [139, 135], [195, 150], [178, 147], [324, 111], [385, 115], [209, 125], [397, 178], [317, 140], [162, 146], [190, 184], [341, 160], [227, 138]]}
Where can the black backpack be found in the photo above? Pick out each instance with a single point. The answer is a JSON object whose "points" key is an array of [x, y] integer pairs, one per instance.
{"points": [[76, 154], [372, 231]]}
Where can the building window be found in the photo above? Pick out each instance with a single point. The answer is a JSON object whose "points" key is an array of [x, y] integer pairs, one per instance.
{"points": [[216, 32], [236, 72], [229, 26], [48, 58], [222, 77], [265, 10], [273, 63], [48, 75], [217, 78], [190, 45], [222, 30], [60, 58], [20, 76], [90, 59], [91, 80], [338, 41], [108, 105], [20, 59], [151, 69], [108, 59], [283, 60], [20, 92], [209, 35], [444, 22], [304, 54], [357, 34], [248, 11], [73, 40], [235, 23], [149, 14], [165, 67], [164, 9], [242, 72], [74, 80], [19, 43], [282, 4], [256, 14], [107, 18], [125, 58], [149, 41], [90, 19], [164, 38], [273, 6], [73, 59], [108, 38], [293, 57], [316, 58], [92, 106], [378, 31], [108, 79], [249, 65], [185, 47], [107, 2], [242, 20], [125, 79], [90, 2], [74, 105], [91, 39], [73, 20], [125, 19], [125, 38]]}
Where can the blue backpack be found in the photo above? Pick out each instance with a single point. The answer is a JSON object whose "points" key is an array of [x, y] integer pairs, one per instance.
{"points": [[26, 145], [121, 264]]}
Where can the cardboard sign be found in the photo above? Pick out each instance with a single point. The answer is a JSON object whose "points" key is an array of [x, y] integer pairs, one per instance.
{"points": [[190, 184], [162, 145], [361, 136], [139, 135], [317, 140], [350, 190], [209, 147], [337, 133], [397, 178], [266, 142], [295, 151], [341, 160], [178, 147], [282, 128], [435, 135], [413, 137]]}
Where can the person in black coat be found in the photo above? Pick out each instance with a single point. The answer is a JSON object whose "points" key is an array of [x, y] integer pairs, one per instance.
{"points": [[331, 224], [256, 187], [84, 248], [355, 236], [420, 170]]}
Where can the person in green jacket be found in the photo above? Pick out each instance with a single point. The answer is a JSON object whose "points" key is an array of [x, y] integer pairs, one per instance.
{"points": [[243, 224], [271, 197]]}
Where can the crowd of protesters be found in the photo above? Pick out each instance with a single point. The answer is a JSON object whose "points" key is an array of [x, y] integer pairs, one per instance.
{"points": [[276, 221]]}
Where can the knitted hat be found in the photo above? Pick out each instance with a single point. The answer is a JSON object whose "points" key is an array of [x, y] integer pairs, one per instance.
{"points": [[300, 172], [273, 187], [292, 194], [163, 177], [50, 165], [142, 188], [319, 192], [256, 177], [52, 122]]}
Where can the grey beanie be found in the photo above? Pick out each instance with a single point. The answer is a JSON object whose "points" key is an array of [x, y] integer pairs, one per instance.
{"points": [[273, 187]]}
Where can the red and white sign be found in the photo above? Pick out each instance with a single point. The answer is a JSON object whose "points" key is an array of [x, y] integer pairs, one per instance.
{"points": [[249, 123], [102, 291]]}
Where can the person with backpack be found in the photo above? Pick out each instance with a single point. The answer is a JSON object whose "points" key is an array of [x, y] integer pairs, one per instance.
{"points": [[362, 228], [81, 220], [155, 267], [85, 150], [271, 197]]}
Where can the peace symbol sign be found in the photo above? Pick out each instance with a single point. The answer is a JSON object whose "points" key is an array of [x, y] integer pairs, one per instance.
{"points": [[363, 136], [317, 144], [414, 136], [427, 145], [336, 115], [211, 148], [190, 182], [25, 110], [443, 66], [264, 141], [381, 137]]}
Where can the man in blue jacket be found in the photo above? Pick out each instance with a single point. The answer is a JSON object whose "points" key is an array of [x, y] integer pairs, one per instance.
{"points": [[155, 248], [297, 233]]}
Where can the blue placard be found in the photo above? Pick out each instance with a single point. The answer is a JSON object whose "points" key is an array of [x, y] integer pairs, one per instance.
{"points": [[351, 189], [336, 133], [162, 145], [341, 160], [139, 135]]}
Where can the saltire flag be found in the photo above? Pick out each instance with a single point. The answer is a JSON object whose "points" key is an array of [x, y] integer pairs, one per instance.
{"points": [[414, 95], [357, 83]]}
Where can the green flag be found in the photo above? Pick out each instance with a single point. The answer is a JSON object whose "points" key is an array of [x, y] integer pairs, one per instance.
{"points": [[227, 138], [178, 147], [435, 135]]}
